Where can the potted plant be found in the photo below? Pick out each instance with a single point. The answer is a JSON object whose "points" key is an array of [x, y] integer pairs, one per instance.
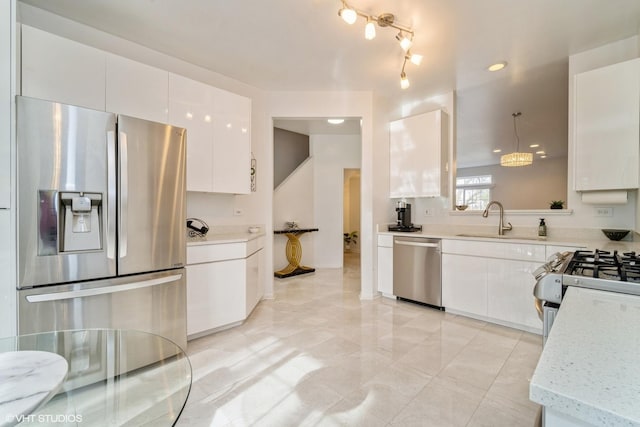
{"points": [[350, 238], [556, 204]]}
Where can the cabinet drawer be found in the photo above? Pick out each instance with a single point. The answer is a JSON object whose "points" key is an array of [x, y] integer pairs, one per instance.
{"points": [[514, 251], [216, 252]]}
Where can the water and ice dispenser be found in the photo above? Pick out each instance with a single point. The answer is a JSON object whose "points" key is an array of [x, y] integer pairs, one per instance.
{"points": [[69, 222]]}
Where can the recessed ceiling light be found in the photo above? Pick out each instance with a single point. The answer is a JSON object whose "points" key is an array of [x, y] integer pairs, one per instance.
{"points": [[543, 157], [497, 150], [534, 146], [497, 66], [540, 152], [335, 121]]}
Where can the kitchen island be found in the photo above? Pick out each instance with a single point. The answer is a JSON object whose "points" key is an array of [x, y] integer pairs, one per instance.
{"points": [[588, 371]]}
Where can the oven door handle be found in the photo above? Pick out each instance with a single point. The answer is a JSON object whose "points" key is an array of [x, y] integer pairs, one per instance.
{"points": [[538, 303]]}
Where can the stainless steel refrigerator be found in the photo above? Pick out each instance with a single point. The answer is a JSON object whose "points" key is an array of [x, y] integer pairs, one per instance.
{"points": [[101, 214]]}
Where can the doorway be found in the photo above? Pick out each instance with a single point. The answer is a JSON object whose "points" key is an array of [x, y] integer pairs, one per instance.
{"points": [[351, 217]]}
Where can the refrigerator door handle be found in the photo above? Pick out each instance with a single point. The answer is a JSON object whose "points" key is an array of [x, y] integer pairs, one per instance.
{"points": [[110, 289], [111, 194], [124, 194]]}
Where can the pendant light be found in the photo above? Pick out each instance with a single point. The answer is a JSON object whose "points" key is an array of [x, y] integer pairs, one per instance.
{"points": [[516, 158]]}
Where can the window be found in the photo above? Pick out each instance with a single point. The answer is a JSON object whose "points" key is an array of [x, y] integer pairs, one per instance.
{"points": [[474, 191]]}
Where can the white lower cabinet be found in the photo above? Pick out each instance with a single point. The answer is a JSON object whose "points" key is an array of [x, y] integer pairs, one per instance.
{"points": [[8, 313], [385, 265], [510, 286], [215, 295], [223, 284], [464, 283], [492, 281], [254, 289]]}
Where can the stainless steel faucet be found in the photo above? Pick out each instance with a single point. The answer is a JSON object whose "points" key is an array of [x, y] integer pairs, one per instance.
{"points": [[501, 227]]}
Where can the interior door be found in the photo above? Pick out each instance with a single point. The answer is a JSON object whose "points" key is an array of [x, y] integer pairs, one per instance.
{"points": [[152, 196]]}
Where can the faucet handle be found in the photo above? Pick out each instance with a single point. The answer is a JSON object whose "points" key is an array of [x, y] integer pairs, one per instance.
{"points": [[507, 227]]}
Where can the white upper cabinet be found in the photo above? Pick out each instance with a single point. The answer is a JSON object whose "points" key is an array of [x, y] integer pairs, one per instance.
{"points": [[191, 107], [7, 63], [232, 143], [419, 155], [607, 127], [136, 89], [218, 127], [61, 70]]}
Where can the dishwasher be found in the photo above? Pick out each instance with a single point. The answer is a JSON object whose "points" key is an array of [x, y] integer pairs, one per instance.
{"points": [[417, 270]]}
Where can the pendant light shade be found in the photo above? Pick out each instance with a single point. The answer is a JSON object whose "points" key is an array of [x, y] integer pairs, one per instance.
{"points": [[516, 158]]}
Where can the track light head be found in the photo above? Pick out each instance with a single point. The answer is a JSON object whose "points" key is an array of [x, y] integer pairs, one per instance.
{"points": [[405, 42], [404, 81], [370, 30], [414, 58], [348, 15]]}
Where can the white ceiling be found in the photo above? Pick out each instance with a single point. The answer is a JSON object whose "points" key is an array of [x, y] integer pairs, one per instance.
{"points": [[304, 45], [319, 126]]}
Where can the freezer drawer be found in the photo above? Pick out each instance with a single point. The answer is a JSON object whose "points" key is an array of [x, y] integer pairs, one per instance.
{"points": [[154, 302], [417, 270]]}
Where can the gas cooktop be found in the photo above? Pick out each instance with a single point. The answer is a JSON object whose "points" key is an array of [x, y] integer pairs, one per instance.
{"points": [[601, 270]]}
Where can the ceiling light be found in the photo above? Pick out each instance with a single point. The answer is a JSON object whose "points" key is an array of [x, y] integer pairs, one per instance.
{"points": [[404, 81], [405, 42], [543, 157], [497, 150], [415, 58], [516, 158], [497, 66], [335, 121], [405, 36], [347, 14], [540, 152], [370, 30], [534, 146]]}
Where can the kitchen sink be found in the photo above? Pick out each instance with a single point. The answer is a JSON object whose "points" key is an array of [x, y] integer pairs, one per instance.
{"points": [[495, 236]]}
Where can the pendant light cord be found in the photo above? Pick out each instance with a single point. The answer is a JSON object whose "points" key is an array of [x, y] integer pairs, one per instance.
{"points": [[515, 130]]}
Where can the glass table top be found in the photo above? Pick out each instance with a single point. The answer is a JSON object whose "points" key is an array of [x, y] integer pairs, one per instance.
{"points": [[115, 378]]}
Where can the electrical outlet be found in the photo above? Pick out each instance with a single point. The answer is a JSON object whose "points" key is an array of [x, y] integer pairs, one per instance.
{"points": [[429, 211], [238, 211], [604, 211]]}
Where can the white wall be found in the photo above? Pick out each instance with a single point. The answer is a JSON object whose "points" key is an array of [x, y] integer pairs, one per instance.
{"points": [[293, 200], [331, 154]]}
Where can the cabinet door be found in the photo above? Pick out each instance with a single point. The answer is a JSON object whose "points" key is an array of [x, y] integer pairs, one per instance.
{"points": [[418, 153], [232, 143], [191, 107], [510, 292], [8, 315], [215, 295], [7, 67], [464, 283], [253, 281], [61, 70], [607, 119], [385, 270], [136, 89]]}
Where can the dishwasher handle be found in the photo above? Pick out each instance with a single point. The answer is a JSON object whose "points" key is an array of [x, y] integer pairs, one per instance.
{"points": [[422, 245]]}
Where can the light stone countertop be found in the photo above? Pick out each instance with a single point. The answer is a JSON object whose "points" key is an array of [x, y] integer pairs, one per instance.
{"points": [[221, 238], [586, 238], [590, 366]]}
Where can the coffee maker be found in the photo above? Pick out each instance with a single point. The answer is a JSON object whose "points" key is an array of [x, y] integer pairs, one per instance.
{"points": [[403, 223]]}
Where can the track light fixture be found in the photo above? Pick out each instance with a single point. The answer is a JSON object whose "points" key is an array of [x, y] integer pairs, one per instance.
{"points": [[405, 35]]}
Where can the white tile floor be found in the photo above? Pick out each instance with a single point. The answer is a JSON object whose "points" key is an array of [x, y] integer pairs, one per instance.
{"points": [[317, 355]]}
